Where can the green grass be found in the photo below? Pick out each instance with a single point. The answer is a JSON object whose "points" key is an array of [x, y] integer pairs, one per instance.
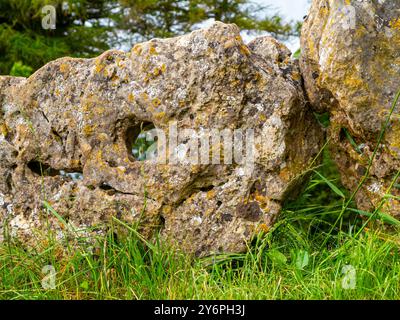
{"points": [[321, 248], [305, 256]]}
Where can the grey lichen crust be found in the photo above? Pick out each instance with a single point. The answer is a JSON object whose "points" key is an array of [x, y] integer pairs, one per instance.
{"points": [[351, 67], [76, 115]]}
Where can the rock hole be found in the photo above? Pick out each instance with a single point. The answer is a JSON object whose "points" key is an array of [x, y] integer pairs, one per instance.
{"points": [[56, 135], [42, 169], [45, 170], [72, 175], [109, 190], [105, 186], [207, 188], [162, 222], [140, 142]]}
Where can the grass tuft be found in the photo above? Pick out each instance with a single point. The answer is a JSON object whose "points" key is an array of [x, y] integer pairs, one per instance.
{"points": [[305, 256]]}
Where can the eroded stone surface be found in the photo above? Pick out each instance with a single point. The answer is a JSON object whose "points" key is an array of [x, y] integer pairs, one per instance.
{"points": [[78, 115], [351, 65]]}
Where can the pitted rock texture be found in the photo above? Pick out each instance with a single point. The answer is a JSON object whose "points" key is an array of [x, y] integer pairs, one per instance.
{"points": [[80, 115], [351, 66]]}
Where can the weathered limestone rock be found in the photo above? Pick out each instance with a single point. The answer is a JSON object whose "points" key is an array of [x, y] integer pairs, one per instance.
{"points": [[351, 66], [81, 115]]}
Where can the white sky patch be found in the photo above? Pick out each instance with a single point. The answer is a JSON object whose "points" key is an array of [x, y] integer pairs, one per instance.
{"points": [[290, 10]]}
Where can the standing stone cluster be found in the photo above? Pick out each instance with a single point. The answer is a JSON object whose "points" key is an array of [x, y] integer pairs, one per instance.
{"points": [[66, 132], [351, 68], [66, 136]]}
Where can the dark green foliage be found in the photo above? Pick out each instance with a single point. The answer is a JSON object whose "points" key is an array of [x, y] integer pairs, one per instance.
{"points": [[78, 31], [20, 70], [85, 28]]}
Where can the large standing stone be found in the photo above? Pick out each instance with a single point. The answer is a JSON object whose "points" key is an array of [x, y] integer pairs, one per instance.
{"points": [[81, 115], [351, 66]]}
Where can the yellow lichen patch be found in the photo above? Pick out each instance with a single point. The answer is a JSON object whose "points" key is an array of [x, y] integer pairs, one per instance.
{"points": [[167, 210], [262, 228], [208, 212], [99, 110], [144, 96], [296, 76], [235, 83], [311, 47], [210, 194], [395, 23], [324, 11], [393, 135], [102, 136], [3, 130], [285, 174], [353, 82], [75, 163], [64, 67], [156, 72], [152, 50], [260, 198], [245, 50], [163, 67], [137, 49], [99, 66], [159, 116], [116, 147], [88, 130], [361, 31], [146, 79], [156, 102], [131, 97], [121, 170], [239, 38], [85, 107]]}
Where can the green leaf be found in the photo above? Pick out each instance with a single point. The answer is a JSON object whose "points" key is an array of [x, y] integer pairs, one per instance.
{"points": [[384, 217], [302, 259], [351, 140], [55, 213], [84, 285], [323, 119], [20, 70], [297, 54], [277, 257], [331, 185]]}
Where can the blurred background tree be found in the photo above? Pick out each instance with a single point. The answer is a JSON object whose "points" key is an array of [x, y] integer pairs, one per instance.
{"points": [[85, 28], [79, 32], [144, 19]]}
